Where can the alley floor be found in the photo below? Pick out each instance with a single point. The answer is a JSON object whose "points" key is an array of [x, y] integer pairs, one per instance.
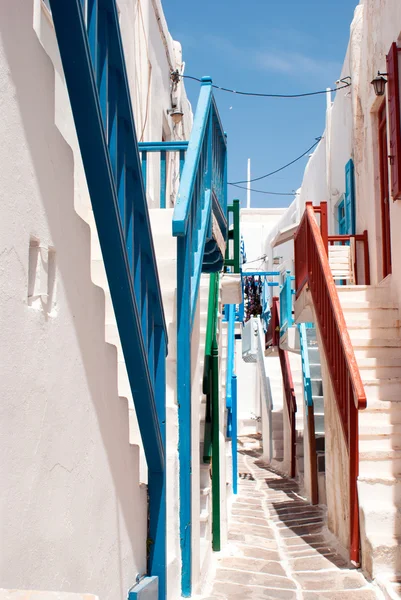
{"points": [[276, 544]]}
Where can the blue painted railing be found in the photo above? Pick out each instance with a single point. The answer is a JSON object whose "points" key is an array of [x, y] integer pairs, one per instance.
{"points": [[94, 67], [201, 205], [303, 342], [162, 148], [286, 294]]}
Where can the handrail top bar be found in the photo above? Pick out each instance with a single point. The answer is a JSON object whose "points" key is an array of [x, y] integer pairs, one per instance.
{"points": [[345, 341], [205, 110], [183, 203], [170, 146], [359, 237], [262, 273]]}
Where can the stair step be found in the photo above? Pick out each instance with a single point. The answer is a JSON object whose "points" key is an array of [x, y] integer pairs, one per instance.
{"points": [[358, 293], [387, 389], [387, 332]]}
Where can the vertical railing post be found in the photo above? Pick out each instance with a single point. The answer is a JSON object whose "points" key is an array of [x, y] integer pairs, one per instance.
{"points": [[324, 228], [237, 235], [184, 403], [353, 452], [366, 257], [157, 481], [234, 433], [216, 527], [163, 179]]}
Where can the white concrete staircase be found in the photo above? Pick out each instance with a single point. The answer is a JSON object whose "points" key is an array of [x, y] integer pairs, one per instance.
{"points": [[374, 327], [275, 383]]}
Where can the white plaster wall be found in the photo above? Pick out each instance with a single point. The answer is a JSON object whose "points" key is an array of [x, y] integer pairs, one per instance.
{"points": [[73, 516], [74, 509], [256, 223], [151, 54]]}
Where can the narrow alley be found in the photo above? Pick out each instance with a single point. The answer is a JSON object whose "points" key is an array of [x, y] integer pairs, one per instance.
{"points": [[278, 547]]}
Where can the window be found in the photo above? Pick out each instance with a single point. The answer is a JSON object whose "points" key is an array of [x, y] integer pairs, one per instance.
{"points": [[350, 197], [342, 226], [394, 119]]}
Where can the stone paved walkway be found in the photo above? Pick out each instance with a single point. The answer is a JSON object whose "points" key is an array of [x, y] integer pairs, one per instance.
{"points": [[277, 547]]}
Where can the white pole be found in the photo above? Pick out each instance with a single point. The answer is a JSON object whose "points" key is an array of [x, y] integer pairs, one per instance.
{"points": [[248, 185]]}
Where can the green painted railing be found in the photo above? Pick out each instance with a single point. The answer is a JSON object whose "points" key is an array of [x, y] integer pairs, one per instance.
{"points": [[232, 258], [211, 446]]}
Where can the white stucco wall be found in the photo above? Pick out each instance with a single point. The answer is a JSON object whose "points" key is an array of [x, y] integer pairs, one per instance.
{"points": [[73, 511], [73, 516], [256, 224]]}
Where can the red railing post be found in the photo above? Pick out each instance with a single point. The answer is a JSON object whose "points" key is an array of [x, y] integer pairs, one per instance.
{"points": [[324, 227], [366, 257]]}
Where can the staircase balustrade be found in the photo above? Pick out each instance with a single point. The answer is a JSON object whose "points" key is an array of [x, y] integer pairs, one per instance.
{"points": [[286, 304], [312, 269], [163, 149], [93, 61], [200, 225]]}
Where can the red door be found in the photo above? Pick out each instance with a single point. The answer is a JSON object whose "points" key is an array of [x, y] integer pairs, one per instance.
{"points": [[384, 192]]}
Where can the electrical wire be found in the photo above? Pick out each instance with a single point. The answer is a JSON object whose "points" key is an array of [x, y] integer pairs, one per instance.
{"points": [[242, 187], [175, 76], [281, 168]]}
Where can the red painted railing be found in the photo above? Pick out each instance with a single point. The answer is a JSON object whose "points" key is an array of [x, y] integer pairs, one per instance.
{"points": [[273, 339], [312, 269], [362, 237]]}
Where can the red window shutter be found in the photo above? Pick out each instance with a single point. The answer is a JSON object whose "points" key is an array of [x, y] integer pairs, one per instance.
{"points": [[394, 120]]}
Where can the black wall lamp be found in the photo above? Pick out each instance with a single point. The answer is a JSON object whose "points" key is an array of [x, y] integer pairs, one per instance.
{"points": [[379, 83]]}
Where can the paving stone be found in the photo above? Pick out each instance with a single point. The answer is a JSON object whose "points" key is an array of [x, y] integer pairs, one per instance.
{"points": [[230, 591], [306, 540], [261, 553], [324, 580], [361, 594], [277, 545], [251, 564], [315, 563], [250, 520], [250, 578], [247, 512]]}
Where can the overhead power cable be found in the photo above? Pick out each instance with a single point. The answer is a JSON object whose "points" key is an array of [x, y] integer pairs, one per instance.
{"points": [[175, 76], [281, 168], [242, 187]]}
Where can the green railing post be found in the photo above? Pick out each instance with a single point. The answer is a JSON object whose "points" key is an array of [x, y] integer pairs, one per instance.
{"points": [[207, 369], [215, 426], [233, 234], [236, 210]]}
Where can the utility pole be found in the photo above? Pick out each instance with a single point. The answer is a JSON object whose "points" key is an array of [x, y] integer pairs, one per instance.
{"points": [[248, 185]]}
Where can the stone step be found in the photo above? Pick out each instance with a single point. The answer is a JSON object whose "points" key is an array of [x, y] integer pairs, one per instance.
{"points": [[380, 444], [358, 293], [380, 462], [372, 319], [383, 389], [387, 332], [360, 341], [384, 353]]}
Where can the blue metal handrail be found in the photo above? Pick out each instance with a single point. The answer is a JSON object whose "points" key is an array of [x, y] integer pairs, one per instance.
{"points": [[305, 364], [162, 148], [95, 73], [201, 204], [286, 294]]}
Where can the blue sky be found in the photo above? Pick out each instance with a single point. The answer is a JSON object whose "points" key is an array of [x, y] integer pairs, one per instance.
{"points": [[264, 46]]}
